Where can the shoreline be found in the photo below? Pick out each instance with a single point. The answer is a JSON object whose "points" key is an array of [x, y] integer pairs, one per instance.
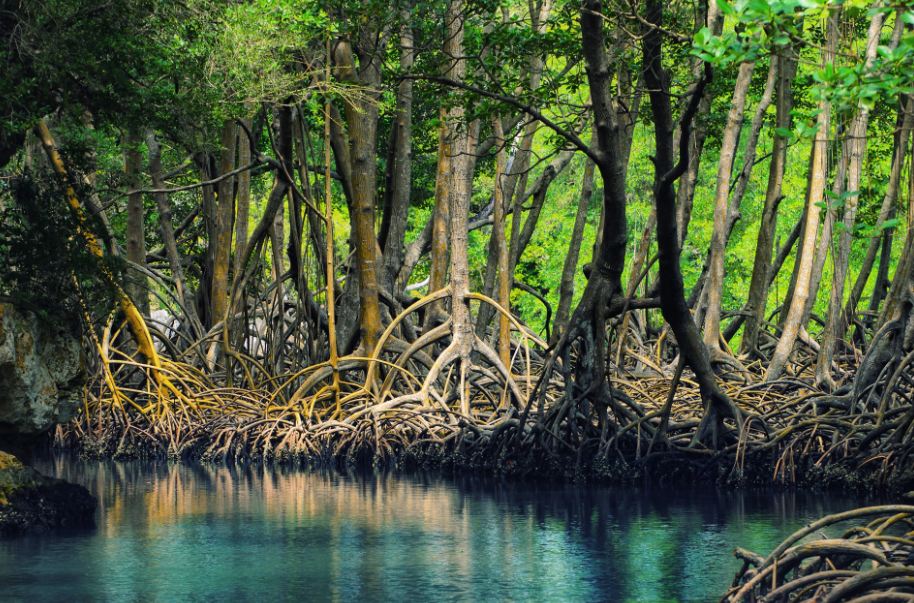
{"points": [[672, 469]]}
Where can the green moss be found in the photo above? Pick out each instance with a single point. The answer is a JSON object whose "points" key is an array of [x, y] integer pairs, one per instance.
{"points": [[13, 476]]}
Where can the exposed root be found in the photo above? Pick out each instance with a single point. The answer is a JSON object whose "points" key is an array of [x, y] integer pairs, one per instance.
{"points": [[442, 394], [870, 562]]}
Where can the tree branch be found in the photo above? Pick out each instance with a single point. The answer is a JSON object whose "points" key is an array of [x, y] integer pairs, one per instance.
{"points": [[508, 100]]}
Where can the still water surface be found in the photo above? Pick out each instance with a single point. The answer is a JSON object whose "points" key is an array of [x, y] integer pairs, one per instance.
{"points": [[171, 532]]}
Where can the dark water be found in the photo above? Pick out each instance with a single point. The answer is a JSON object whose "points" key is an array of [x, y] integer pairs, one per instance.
{"points": [[177, 532]]}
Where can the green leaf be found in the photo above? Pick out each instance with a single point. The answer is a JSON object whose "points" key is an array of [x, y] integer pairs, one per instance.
{"points": [[726, 8]]}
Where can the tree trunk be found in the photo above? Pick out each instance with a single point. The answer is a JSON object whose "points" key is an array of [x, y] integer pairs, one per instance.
{"points": [[779, 260], [243, 202], [208, 210], [709, 16], [815, 195], [501, 246], [834, 325], [715, 280], [672, 296], [898, 292], [134, 318], [394, 227], [759, 283], [362, 121], [881, 286], [166, 228], [824, 246], [441, 213], [587, 326], [224, 211], [137, 283], [887, 212], [461, 139], [737, 187], [521, 235], [538, 194], [566, 286]]}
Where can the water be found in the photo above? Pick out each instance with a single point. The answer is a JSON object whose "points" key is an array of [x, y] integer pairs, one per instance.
{"points": [[187, 532]]}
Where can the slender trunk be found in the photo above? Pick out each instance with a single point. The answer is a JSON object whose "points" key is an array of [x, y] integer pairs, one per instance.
{"points": [[709, 15], [759, 283], [515, 178], [685, 193], [834, 323], [815, 195], [277, 236], [672, 296], [134, 318], [788, 295], [738, 187], [501, 246], [315, 228], [362, 121], [881, 286], [208, 209], [224, 211], [779, 260], [538, 194], [898, 291], [282, 137], [166, 229], [903, 128], [395, 218], [94, 204], [824, 245], [298, 199], [461, 138], [243, 203], [636, 276], [818, 264], [715, 281], [441, 212], [566, 287], [588, 322], [137, 283], [895, 341], [522, 235], [412, 255]]}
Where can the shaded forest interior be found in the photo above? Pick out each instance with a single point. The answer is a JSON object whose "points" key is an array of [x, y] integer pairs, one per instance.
{"points": [[587, 238]]}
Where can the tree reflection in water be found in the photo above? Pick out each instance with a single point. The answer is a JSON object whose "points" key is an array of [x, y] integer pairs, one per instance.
{"points": [[169, 532]]}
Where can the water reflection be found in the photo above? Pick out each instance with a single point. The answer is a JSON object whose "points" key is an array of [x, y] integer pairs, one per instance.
{"points": [[178, 532]]}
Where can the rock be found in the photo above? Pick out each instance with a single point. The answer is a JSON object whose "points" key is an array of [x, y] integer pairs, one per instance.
{"points": [[42, 370], [31, 502]]}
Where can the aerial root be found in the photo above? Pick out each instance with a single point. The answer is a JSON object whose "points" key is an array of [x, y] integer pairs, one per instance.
{"points": [[436, 394]]}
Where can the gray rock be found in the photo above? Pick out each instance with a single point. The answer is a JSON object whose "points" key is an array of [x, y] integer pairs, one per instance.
{"points": [[42, 370]]}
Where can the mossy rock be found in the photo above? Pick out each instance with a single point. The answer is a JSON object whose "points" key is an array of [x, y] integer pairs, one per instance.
{"points": [[32, 502]]}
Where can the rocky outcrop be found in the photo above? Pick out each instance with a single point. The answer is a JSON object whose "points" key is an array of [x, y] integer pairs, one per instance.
{"points": [[31, 502], [42, 370]]}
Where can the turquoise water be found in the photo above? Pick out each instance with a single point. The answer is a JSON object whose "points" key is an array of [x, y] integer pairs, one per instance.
{"points": [[170, 532]]}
